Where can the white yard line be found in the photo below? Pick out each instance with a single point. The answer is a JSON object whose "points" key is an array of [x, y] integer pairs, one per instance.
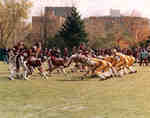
{"points": [[74, 105]]}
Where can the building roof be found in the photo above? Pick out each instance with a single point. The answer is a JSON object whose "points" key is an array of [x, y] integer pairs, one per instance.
{"points": [[59, 11], [115, 12]]}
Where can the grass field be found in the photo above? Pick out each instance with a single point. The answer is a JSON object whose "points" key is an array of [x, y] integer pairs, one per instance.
{"points": [[127, 97]]}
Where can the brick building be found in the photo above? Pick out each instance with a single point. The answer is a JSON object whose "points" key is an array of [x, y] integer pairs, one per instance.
{"points": [[49, 23], [138, 27], [115, 13], [53, 18]]}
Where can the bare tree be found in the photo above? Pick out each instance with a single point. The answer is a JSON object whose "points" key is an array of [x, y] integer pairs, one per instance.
{"points": [[12, 12]]}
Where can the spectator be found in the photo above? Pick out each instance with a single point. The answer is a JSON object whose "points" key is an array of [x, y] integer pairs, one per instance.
{"points": [[5, 56], [143, 57]]}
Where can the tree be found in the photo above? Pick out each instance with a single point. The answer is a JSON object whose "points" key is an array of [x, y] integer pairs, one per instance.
{"points": [[12, 12], [108, 41], [73, 31], [25, 34], [144, 43], [53, 42]]}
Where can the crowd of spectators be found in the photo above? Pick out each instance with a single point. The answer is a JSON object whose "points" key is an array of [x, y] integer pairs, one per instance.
{"points": [[4, 55], [142, 55]]}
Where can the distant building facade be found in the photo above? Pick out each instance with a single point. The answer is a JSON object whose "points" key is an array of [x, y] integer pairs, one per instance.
{"points": [[98, 27], [53, 18], [115, 13], [58, 11], [48, 24]]}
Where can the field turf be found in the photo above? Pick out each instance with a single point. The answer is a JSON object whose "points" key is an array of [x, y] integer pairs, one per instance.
{"points": [[60, 97]]}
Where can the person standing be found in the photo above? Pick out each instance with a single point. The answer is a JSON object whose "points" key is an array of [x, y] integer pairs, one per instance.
{"points": [[5, 56]]}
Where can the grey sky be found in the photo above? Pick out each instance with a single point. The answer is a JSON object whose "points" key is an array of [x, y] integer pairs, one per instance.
{"points": [[96, 7]]}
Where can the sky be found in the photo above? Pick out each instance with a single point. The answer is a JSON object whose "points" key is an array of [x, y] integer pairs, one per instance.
{"points": [[96, 7]]}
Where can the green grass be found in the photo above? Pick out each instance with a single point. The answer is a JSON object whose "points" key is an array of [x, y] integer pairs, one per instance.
{"points": [[127, 97]]}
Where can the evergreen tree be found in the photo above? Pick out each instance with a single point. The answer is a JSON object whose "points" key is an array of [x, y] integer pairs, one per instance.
{"points": [[73, 31]]}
